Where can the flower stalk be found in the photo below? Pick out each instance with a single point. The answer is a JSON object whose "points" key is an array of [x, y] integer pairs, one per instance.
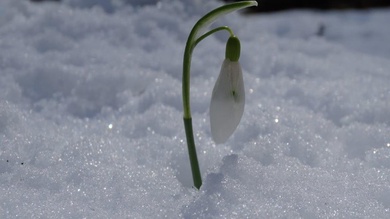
{"points": [[196, 35]]}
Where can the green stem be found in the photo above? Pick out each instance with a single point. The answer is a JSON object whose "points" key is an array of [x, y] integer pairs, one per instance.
{"points": [[192, 153], [213, 31], [192, 41]]}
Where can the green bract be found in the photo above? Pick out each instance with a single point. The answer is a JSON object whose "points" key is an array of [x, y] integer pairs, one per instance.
{"points": [[232, 53], [233, 49]]}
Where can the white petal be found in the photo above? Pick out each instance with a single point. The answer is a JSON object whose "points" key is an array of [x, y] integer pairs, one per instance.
{"points": [[227, 102]]}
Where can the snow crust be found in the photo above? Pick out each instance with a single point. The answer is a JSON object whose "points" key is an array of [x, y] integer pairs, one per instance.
{"points": [[91, 113]]}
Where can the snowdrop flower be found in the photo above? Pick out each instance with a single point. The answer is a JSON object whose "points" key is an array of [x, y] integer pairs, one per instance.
{"points": [[228, 97], [227, 102]]}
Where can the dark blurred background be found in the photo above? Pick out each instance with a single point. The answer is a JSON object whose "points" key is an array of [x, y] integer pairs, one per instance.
{"points": [[279, 5]]}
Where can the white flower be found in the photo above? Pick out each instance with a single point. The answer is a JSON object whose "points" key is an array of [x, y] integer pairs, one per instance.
{"points": [[227, 101]]}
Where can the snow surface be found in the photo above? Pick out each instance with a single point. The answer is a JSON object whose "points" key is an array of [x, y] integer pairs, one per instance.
{"points": [[91, 113]]}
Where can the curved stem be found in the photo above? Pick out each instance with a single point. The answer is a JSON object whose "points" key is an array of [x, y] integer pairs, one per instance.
{"points": [[192, 41], [213, 31]]}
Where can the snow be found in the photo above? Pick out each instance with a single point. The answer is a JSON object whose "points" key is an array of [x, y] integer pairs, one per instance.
{"points": [[91, 113]]}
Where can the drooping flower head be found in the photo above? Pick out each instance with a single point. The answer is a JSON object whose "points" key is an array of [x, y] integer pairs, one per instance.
{"points": [[228, 97]]}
